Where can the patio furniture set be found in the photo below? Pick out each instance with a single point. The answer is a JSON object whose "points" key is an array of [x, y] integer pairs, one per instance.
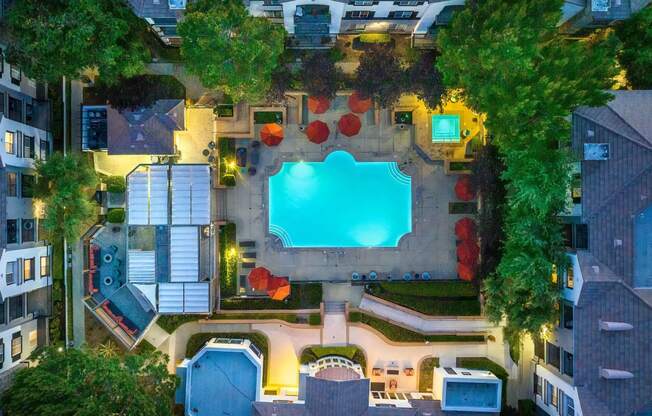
{"points": [[118, 317], [96, 259], [373, 276]]}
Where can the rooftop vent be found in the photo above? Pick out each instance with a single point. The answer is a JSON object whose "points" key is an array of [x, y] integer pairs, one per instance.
{"points": [[596, 269], [450, 371], [600, 5], [590, 133], [614, 326], [596, 151], [611, 374], [618, 242]]}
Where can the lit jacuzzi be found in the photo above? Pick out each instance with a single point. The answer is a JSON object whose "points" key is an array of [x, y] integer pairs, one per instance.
{"points": [[464, 390]]}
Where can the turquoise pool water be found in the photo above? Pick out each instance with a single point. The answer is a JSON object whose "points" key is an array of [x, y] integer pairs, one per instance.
{"points": [[340, 202], [446, 128], [472, 395]]}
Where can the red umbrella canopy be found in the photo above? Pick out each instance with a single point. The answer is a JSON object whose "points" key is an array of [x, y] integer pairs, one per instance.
{"points": [[281, 293], [465, 272], [259, 278], [358, 104], [271, 134], [317, 131], [465, 229], [275, 283], [468, 252], [349, 125], [464, 188], [318, 105]]}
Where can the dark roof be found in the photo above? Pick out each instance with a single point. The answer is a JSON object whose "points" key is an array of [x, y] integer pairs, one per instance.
{"points": [[333, 398], [148, 131], [614, 191], [147, 8], [623, 350]]}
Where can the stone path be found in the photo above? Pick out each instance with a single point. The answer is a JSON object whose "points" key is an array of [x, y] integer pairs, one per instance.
{"points": [[334, 331]]}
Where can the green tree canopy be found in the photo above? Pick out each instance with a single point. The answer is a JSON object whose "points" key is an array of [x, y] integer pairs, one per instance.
{"points": [[57, 38], [380, 75], [139, 91], [64, 182], [229, 49], [320, 75], [90, 382], [513, 65], [635, 55]]}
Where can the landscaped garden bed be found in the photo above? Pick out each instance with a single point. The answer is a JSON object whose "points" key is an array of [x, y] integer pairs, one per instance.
{"points": [[437, 298], [228, 260], [400, 334], [171, 322], [426, 373], [351, 352], [264, 117], [226, 151], [197, 341], [302, 296]]}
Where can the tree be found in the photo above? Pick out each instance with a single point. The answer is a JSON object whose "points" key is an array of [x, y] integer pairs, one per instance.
{"points": [[58, 38], [513, 65], [282, 80], [139, 91], [229, 49], [64, 182], [320, 76], [380, 75], [635, 55], [425, 80], [89, 382]]}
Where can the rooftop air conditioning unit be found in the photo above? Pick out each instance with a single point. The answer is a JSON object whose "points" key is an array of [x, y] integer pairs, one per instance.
{"points": [[590, 133], [618, 242], [596, 151]]}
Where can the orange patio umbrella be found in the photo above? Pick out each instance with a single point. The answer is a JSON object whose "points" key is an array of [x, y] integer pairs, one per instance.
{"points": [[468, 252], [358, 104], [278, 288], [259, 278], [271, 134], [465, 229], [464, 189], [465, 272], [349, 125], [317, 131], [318, 105]]}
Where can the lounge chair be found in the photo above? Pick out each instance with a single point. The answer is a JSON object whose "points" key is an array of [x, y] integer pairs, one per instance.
{"points": [[407, 276], [247, 243], [355, 276], [248, 265], [249, 255], [426, 276], [373, 275]]}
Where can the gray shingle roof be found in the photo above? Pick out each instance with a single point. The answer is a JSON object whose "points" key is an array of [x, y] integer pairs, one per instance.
{"points": [[148, 131]]}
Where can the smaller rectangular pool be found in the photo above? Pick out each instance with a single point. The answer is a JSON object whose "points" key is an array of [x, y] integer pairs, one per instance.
{"points": [[446, 128]]}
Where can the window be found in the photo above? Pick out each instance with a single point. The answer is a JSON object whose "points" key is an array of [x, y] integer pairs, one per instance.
{"points": [[567, 315], [2, 100], [552, 355], [32, 339], [26, 186], [15, 109], [44, 150], [29, 113], [554, 398], [576, 236], [15, 74], [408, 3], [567, 363], [28, 269], [2, 317], [538, 385], [16, 308], [569, 406], [2, 353], [45, 266], [539, 348], [16, 346], [551, 395], [401, 14], [28, 147], [28, 232], [11, 184], [359, 14], [363, 3], [12, 231], [570, 277], [10, 273], [2, 71], [274, 14], [9, 142]]}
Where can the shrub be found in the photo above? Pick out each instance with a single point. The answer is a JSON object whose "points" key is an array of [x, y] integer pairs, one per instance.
{"points": [[228, 260], [426, 373], [115, 184], [320, 75], [116, 216], [380, 75], [314, 319]]}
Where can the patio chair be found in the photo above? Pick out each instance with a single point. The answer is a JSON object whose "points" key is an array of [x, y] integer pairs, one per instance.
{"points": [[373, 276], [407, 276], [249, 255], [113, 249], [355, 276], [248, 265], [425, 276], [247, 243]]}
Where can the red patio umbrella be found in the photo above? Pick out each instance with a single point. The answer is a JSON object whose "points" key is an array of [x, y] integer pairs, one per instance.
{"points": [[349, 125], [465, 229], [465, 272], [318, 105], [464, 188], [271, 134], [278, 288], [317, 131], [281, 293], [358, 104], [468, 252], [259, 278]]}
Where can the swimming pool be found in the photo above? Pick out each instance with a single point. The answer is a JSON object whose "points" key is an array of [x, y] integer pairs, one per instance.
{"points": [[340, 202], [446, 128]]}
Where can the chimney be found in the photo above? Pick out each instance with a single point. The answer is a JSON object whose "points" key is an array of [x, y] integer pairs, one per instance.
{"points": [[611, 374], [614, 326]]}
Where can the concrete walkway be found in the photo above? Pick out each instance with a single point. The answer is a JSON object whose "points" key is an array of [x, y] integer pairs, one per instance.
{"points": [[423, 323], [334, 331], [156, 336], [78, 309]]}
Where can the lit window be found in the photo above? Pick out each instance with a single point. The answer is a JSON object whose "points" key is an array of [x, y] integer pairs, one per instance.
{"points": [[45, 266], [554, 276], [11, 184], [570, 278], [33, 339], [16, 346], [570, 407], [28, 269], [9, 142]]}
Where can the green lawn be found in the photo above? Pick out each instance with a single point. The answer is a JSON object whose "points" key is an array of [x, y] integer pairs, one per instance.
{"points": [[426, 373], [482, 363], [400, 334], [437, 298], [197, 341], [351, 352], [302, 296]]}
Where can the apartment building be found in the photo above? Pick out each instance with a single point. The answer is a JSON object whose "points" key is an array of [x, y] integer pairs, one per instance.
{"points": [[316, 24], [597, 361], [25, 278]]}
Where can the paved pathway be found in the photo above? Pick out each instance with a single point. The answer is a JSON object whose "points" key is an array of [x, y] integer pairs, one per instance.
{"points": [[334, 331], [156, 336], [428, 324], [78, 313]]}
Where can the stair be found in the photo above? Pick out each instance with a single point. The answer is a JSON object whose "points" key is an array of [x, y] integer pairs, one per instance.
{"points": [[334, 307]]}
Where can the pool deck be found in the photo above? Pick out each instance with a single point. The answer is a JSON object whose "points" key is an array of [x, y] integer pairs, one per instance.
{"points": [[430, 246]]}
